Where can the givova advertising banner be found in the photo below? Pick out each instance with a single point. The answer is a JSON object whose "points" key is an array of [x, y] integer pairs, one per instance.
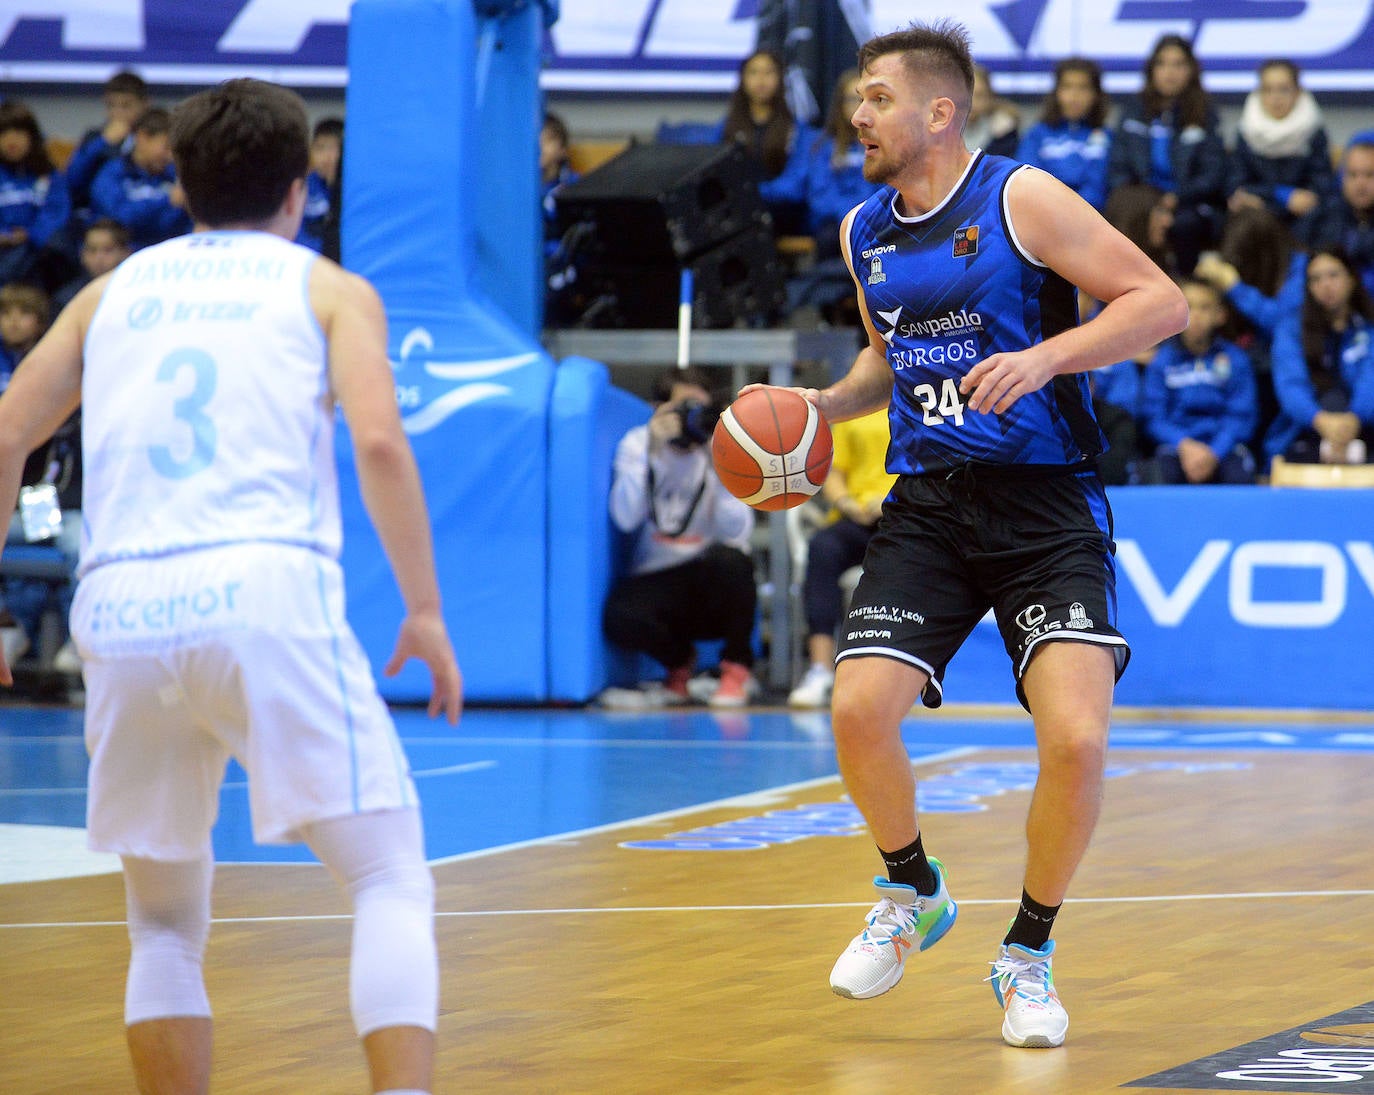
{"points": [[687, 45], [1229, 597]]}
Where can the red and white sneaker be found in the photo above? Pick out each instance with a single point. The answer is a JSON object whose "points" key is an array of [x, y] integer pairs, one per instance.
{"points": [[737, 686]]}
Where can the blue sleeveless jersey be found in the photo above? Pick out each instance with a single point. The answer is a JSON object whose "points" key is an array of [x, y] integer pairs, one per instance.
{"points": [[946, 290]]}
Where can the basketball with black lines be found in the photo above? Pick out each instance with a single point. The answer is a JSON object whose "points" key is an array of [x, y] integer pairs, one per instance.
{"points": [[772, 448]]}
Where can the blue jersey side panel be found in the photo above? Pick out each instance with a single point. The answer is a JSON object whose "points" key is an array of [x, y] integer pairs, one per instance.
{"points": [[946, 290]]}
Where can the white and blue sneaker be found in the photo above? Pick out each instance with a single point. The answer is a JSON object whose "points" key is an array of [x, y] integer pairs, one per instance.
{"points": [[901, 921], [1033, 1017]]}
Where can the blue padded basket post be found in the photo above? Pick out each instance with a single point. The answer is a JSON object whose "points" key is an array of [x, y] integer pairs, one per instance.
{"points": [[510, 111], [473, 389]]}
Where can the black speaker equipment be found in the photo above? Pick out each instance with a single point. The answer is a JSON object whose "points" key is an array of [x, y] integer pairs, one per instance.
{"points": [[663, 203], [738, 282]]}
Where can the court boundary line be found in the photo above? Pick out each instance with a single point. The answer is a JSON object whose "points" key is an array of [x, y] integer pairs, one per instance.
{"points": [[458, 914]]}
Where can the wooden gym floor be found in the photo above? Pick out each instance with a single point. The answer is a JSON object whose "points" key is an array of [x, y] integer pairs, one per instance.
{"points": [[652, 903]]}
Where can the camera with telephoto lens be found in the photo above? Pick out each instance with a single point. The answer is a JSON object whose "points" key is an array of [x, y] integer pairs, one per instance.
{"points": [[698, 421]]}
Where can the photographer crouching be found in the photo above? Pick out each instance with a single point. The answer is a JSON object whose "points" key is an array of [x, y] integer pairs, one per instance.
{"points": [[690, 576]]}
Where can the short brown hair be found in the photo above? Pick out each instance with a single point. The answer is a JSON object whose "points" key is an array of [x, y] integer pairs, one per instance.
{"points": [[939, 49], [126, 83], [238, 148], [153, 122], [26, 298]]}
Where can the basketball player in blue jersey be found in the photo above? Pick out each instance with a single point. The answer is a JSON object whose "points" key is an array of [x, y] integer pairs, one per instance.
{"points": [[966, 266], [210, 615]]}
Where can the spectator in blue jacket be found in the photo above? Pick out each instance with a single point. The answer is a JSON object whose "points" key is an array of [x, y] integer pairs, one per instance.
{"points": [[1282, 157], [555, 172], [125, 97], [759, 119], [24, 315], [323, 200], [1071, 141], [1347, 220], [140, 189], [835, 184], [1323, 364], [33, 193], [1170, 138], [1262, 305], [1199, 399], [835, 181], [104, 246]]}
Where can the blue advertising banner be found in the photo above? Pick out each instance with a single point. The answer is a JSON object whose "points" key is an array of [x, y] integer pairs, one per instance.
{"points": [[1229, 596], [686, 45]]}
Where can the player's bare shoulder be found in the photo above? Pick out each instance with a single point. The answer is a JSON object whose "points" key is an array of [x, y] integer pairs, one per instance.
{"points": [[336, 292], [80, 310]]}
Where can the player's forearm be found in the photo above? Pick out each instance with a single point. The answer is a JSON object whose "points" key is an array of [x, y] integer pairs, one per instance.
{"points": [[11, 469], [867, 387], [1133, 322], [391, 491]]}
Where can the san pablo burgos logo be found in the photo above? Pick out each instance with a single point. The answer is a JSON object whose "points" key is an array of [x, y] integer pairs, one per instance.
{"points": [[950, 323], [418, 416]]}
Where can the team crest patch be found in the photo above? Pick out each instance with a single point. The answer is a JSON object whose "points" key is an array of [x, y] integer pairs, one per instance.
{"points": [[966, 241]]}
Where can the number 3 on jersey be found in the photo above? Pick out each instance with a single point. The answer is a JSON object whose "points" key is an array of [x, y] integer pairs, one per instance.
{"points": [[190, 409], [944, 406]]}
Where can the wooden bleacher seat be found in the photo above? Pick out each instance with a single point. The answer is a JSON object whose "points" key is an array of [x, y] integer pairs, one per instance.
{"points": [[59, 151], [585, 156], [1284, 474], [797, 247]]}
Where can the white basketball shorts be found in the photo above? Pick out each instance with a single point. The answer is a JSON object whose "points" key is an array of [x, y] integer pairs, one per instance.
{"points": [[240, 650]]}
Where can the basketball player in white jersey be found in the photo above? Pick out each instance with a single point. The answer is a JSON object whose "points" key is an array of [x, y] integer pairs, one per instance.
{"points": [[210, 612]]}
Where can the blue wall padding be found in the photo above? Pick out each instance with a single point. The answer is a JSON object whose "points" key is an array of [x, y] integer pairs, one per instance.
{"points": [[510, 221], [589, 416], [473, 390]]}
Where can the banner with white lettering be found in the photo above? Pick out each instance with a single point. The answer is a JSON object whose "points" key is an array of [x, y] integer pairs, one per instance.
{"points": [[684, 45], [1232, 596]]}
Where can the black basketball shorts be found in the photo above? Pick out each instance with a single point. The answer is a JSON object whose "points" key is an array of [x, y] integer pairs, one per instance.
{"points": [[1034, 545]]}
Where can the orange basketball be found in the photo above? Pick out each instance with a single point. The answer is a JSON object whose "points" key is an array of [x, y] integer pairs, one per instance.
{"points": [[772, 448]]}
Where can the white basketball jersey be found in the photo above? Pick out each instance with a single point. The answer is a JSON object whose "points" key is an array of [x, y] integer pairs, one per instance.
{"points": [[206, 413]]}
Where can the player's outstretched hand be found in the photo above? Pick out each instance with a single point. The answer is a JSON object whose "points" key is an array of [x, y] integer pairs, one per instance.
{"points": [[424, 636]]}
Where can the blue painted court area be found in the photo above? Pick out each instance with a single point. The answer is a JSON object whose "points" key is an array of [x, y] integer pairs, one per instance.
{"points": [[507, 776]]}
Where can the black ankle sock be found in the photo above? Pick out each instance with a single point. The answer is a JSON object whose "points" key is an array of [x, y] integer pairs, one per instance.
{"points": [[910, 867], [1033, 923]]}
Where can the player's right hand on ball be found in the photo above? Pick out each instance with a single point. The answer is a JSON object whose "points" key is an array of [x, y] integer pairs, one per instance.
{"points": [[811, 395]]}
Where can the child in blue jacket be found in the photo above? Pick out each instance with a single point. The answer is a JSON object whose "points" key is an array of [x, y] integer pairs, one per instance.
{"points": [[33, 193], [1323, 364], [1072, 141], [1199, 399]]}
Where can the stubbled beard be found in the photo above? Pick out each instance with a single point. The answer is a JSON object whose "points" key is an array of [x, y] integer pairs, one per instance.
{"points": [[878, 171]]}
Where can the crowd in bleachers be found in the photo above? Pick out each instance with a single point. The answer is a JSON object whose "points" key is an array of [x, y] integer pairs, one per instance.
{"points": [[69, 214], [1270, 233], [1273, 236]]}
